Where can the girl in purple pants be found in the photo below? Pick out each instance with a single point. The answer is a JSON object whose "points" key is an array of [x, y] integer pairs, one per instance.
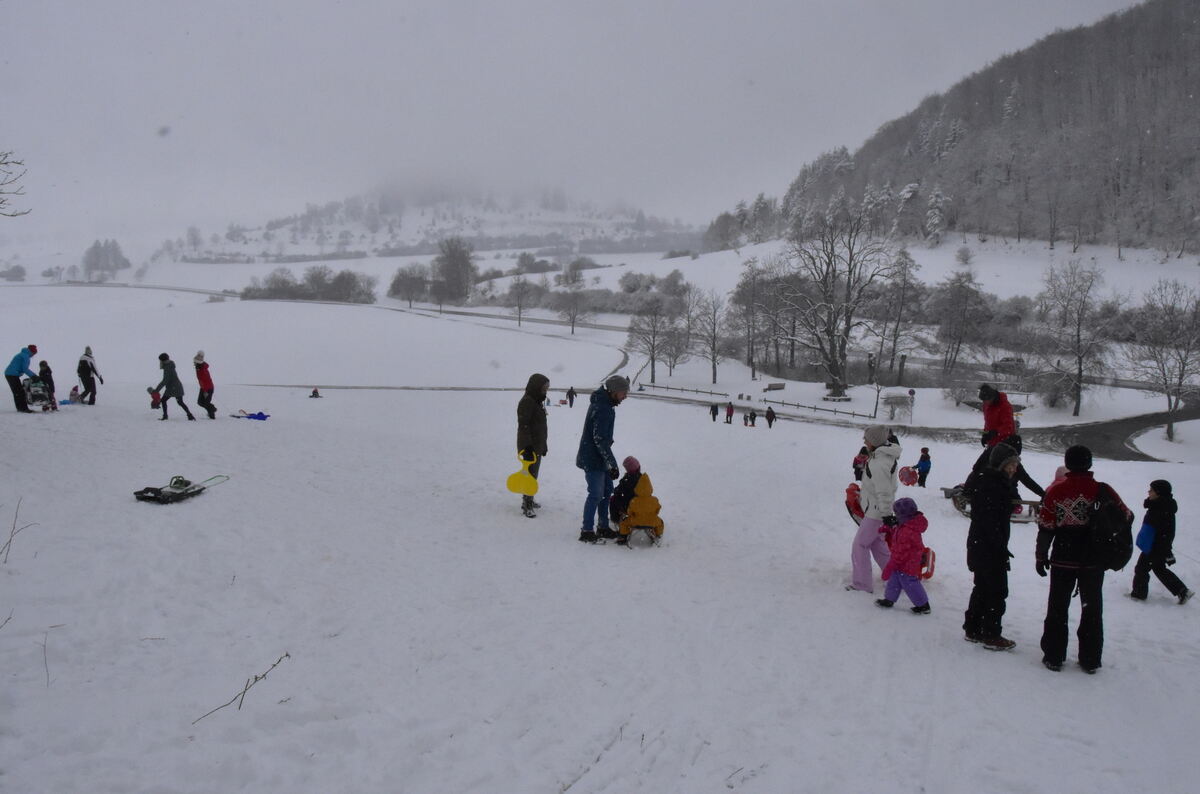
{"points": [[903, 570]]}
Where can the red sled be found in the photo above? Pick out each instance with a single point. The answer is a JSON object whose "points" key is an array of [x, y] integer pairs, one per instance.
{"points": [[854, 502], [907, 475], [928, 563], [155, 398]]}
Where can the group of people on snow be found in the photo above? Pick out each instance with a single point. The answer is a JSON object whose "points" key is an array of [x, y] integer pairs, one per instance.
{"points": [[170, 387], [749, 417], [890, 532]]}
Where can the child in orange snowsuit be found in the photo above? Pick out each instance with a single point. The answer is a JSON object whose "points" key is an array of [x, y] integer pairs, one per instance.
{"points": [[633, 504]]}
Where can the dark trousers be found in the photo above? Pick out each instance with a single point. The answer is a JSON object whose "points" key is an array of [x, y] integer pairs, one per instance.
{"points": [[985, 611], [14, 383], [204, 400], [181, 405], [527, 501], [88, 395], [1141, 576], [1091, 622], [921, 475]]}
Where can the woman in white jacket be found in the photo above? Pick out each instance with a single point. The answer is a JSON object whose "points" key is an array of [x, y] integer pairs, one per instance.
{"points": [[878, 493]]}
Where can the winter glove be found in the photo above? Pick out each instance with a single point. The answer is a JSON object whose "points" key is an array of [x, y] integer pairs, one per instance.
{"points": [[527, 453], [889, 522], [986, 437], [1041, 566], [614, 473], [887, 572], [100, 379]]}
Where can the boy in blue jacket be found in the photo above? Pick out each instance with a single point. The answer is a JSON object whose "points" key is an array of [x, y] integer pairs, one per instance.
{"points": [[16, 368]]}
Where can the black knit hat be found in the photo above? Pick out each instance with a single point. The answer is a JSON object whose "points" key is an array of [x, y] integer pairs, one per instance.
{"points": [[163, 357], [1078, 458], [987, 392], [1161, 487]]}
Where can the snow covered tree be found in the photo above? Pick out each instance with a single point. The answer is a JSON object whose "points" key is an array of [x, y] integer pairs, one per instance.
{"points": [[935, 217], [1166, 347], [409, 283], [1071, 301], [648, 330]]}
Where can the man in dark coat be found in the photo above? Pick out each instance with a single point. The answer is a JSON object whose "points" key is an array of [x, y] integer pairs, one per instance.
{"points": [[596, 457], [531, 431], [1063, 546], [88, 375], [571, 395], [713, 410], [1160, 517], [987, 549], [170, 386]]}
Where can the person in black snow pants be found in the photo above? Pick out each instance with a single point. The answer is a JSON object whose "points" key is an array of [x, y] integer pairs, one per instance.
{"points": [[171, 386], [571, 395], [46, 376], [713, 410], [1156, 541], [88, 375], [770, 417], [204, 378], [531, 431]]}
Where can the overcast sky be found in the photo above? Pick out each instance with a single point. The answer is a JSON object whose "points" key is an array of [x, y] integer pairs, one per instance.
{"points": [[136, 116]]}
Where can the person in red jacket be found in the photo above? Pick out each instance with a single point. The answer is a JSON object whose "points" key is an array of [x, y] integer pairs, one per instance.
{"points": [[206, 385], [903, 570], [1000, 427], [1063, 548]]}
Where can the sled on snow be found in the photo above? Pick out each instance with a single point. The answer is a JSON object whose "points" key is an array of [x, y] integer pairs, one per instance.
{"points": [[1025, 511], [855, 509], [178, 489], [522, 481], [259, 415]]}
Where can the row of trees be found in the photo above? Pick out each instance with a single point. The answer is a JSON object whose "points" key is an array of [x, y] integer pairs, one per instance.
{"points": [[103, 259], [318, 283]]}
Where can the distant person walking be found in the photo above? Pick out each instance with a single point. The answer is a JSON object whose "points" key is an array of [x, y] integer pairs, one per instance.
{"points": [[729, 414], [571, 395], [753, 417], [204, 378], [170, 386], [16, 368], [924, 464], [88, 375], [714, 409], [770, 417], [531, 431]]}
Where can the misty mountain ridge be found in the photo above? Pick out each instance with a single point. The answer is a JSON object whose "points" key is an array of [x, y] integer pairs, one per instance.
{"points": [[1089, 136], [393, 222]]}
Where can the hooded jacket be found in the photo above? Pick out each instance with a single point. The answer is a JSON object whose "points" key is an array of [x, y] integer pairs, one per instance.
{"points": [[643, 509], [20, 364], [170, 386], [991, 520], [202, 376], [531, 416], [998, 419], [907, 547], [596, 440], [1160, 514], [879, 480]]}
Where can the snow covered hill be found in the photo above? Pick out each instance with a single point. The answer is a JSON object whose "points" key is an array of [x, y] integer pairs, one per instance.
{"points": [[438, 641]]}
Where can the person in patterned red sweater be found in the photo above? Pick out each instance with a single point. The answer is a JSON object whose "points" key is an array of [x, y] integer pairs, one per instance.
{"points": [[1062, 547]]}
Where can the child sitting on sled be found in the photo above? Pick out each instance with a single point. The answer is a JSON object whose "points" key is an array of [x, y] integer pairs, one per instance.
{"points": [[903, 570], [633, 504]]}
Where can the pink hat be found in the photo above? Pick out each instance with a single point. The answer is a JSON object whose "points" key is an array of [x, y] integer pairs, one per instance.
{"points": [[631, 464]]}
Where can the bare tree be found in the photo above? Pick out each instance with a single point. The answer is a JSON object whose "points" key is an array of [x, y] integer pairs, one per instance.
{"points": [[521, 292], [959, 305], [1166, 350], [677, 344], [825, 277], [11, 172], [409, 283], [648, 330], [573, 304], [710, 322], [1071, 301]]}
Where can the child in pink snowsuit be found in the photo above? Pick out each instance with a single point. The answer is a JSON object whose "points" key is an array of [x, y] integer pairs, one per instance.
{"points": [[903, 570]]}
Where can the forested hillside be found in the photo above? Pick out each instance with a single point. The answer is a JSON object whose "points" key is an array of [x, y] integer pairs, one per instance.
{"points": [[1089, 135]]}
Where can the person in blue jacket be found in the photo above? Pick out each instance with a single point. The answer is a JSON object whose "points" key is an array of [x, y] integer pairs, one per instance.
{"points": [[16, 368], [924, 464], [596, 457]]}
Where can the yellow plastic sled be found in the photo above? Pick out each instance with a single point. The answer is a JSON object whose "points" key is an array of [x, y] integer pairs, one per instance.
{"points": [[523, 482]]}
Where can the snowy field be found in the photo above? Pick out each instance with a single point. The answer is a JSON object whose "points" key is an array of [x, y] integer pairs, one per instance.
{"points": [[438, 641]]}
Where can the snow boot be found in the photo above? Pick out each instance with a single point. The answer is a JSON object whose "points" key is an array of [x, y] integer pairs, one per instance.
{"points": [[998, 643], [527, 507], [883, 602], [606, 533], [1185, 596], [1051, 665], [587, 536], [924, 609], [1088, 668]]}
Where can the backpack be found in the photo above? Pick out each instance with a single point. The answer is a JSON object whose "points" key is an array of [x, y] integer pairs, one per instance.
{"points": [[1110, 532], [84, 369]]}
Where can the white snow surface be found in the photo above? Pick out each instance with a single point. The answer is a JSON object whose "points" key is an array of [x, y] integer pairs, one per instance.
{"points": [[438, 641]]}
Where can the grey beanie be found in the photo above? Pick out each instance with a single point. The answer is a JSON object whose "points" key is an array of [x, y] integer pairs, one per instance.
{"points": [[1001, 455], [876, 435], [199, 357], [616, 383]]}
